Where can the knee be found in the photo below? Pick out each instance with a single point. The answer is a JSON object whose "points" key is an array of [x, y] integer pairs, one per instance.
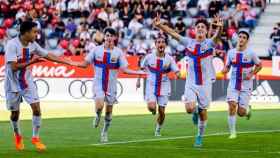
{"points": [[161, 112], [241, 112], [99, 103], [108, 116], [232, 107], [151, 106], [37, 112], [190, 109], [15, 115]]}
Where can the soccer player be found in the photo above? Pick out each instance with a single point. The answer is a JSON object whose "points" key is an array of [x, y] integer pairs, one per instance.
{"points": [[200, 72], [245, 64], [21, 52], [158, 65], [107, 59]]}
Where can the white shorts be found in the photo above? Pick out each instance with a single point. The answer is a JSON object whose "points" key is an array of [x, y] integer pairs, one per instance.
{"points": [[200, 94], [13, 99], [109, 99], [242, 98], [160, 100]]}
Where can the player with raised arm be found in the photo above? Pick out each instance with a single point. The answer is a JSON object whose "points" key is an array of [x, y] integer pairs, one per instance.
{"points": [[245, 64], [200, 72]]}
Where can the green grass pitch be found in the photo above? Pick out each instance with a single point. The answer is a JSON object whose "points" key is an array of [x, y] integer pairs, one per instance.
{"points": [[75, 138]]}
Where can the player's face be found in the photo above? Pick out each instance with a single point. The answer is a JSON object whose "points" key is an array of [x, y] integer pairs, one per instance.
{"points": [[201, 30], [110, 39], [32, 34], [160, 44], [242, 39]]}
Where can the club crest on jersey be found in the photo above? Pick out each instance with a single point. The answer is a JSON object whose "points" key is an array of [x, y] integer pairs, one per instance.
{"points": [[114, 59], [234, 60], [99, 57], [204, 48], [166, 66]]}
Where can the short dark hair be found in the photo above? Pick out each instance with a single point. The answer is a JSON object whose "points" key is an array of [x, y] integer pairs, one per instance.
{"points": [[203, 21], [163, 36], [26, 26], [245, 33], [110, 30]]}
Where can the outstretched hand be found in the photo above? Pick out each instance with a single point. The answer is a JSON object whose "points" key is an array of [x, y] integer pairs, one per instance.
{"points": [[36, 59]]}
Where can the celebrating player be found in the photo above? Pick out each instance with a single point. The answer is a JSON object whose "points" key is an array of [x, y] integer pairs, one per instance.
{"points": [[200, 73], [245, 64], [21, 52], [157, 91], [107, 60]]}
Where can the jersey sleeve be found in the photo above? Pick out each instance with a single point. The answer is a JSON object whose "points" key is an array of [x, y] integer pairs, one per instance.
{"points": [[211, 43], [227, 64], [11, 54], [39, 50], [90, 56], [184, 40], [123, 60], [143, 63], [256, 59], [173, 65]]}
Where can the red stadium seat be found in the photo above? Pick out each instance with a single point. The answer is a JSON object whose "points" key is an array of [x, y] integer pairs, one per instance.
{"points": [[64, 44], [2, 33], [8, 23], [75, 43]]}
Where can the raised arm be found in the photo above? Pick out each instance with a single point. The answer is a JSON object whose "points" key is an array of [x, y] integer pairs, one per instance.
{"points": [[165, 28], [225, 70], [218, 22], [227, 65]]}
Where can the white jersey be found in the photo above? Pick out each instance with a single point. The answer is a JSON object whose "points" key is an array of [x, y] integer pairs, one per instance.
{"points": [[158, 82], [106, 64], [16, 52], [200, 70], [242, 64]]}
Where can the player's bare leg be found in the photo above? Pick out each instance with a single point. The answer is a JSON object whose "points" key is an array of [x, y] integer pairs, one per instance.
{"points": [[192, 109], [16, 128], [99, 104], [160, 120], [107, 123], [152, 107], [201, 127], [232, 119], [36, 125]]}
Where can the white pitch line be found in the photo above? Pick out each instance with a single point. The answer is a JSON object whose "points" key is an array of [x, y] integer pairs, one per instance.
{"points": [[179, 137], [199, 149], [275, 152]]}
